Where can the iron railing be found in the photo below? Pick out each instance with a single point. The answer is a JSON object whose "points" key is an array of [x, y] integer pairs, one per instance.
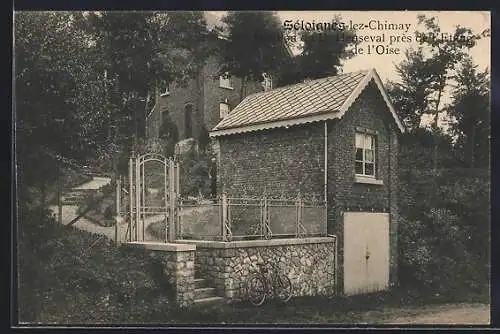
{"points": [[242, 218]]}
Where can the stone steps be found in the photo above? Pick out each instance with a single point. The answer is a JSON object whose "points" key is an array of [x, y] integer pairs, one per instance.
{"points": [[75, 196], [201, 293], [208, 301], [205, 295], [200, 283]]}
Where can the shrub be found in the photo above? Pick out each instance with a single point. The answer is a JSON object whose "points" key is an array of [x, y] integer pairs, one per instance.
{"points": [[194, 173], [108, 213], [71, 276], [444, 239]]}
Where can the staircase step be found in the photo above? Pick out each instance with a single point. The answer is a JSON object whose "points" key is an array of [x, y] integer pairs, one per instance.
{"points": [[204, 293], [200, 283], [208, 300]]}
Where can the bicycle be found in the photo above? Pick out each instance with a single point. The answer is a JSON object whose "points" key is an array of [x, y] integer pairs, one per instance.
{"points": [[265, 283]]}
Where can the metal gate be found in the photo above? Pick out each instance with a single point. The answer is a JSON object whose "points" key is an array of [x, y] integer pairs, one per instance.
{"points": [[149, 195]]}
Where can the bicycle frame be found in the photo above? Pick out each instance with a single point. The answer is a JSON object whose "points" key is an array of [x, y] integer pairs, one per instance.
{"points": [[273, 284], [269, 277]]}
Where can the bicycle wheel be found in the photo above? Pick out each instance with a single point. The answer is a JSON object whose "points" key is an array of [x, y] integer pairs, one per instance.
{"points": [[283, 288], [256, 290]]}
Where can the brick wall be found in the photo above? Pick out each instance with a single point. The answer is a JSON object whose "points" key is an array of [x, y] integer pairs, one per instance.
{"points": [[280, 161], [205, 94], [369, 111], [214, 94]]}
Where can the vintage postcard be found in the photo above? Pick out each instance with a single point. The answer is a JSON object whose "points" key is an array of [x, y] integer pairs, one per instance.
{"points": [[252, 167]]}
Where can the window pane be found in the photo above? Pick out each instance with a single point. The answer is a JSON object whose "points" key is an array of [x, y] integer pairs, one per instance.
{"points": [[225, 81], [369, 169], [358, 167], [369, 142], [369, 156], [359, 140], [359, 154]]}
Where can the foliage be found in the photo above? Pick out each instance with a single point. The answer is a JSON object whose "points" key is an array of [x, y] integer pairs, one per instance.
{"points": [[470, 109], [411, 96], [203, 139], [416, 150], [254, 45], [427, 71], [289, 73], [141, 52], [321, 55], [322, 52], [70, 276], [194, 173], [60, 99], [445, 54], [444, 242]]}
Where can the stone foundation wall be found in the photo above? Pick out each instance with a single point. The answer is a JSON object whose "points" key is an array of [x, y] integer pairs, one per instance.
{"points": [[178, 264], [309, 263]]}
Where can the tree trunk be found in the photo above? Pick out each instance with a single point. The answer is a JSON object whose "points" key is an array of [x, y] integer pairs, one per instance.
{"points": [[436, 120], [146, 111], [435, 148], [472, 150]]}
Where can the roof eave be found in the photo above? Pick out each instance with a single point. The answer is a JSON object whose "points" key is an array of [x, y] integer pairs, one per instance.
{"points": [[274, 125]]}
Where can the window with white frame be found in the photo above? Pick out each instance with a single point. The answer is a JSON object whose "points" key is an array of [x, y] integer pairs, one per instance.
{"points": [[223, 109], [225, 81], [365, 154], [267, 83]]}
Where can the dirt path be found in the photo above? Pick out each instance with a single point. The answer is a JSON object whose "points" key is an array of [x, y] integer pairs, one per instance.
{"points": [[69, 212], [96, 183], [460, 314]]}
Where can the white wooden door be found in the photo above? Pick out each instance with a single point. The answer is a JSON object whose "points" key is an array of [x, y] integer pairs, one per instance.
{"points": [[366, 252]]}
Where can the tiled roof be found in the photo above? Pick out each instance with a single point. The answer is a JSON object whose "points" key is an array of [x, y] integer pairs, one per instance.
{"points": [[305, 101]]}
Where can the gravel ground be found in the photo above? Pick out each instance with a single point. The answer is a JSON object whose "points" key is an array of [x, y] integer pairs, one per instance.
{"points": [[447, 314]]}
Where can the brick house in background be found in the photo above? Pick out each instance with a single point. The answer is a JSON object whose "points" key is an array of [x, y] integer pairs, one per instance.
{"points": [[205, 101], [334, 138]]}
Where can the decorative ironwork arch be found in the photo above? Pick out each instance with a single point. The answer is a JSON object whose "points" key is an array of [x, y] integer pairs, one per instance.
{"points": [[140, 212]]}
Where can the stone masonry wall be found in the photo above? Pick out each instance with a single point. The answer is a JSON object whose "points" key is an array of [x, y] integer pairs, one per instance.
{"points": [[310, 266], [178, 264]]}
